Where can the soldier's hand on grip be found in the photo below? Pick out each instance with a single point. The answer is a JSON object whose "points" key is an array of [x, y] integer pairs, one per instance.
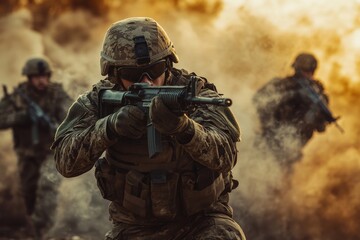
{"points": [[129, 121], [165, 121]]}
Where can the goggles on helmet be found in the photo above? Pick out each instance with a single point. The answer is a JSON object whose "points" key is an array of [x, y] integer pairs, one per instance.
{"points": [[135, 74]]}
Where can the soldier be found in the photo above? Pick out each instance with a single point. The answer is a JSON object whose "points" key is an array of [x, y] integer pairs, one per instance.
{"points": [[182, 192], [33, 112], [289, 110]]}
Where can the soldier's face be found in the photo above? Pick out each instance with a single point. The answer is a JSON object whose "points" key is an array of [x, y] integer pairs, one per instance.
{"points": [[159, 81], [40, 82], [308, 74]]}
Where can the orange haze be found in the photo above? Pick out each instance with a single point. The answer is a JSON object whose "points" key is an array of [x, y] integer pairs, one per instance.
{"points": [[238, 45]]}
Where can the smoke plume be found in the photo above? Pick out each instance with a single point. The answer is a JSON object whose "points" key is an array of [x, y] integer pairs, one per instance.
{"points": [[239, 46]]}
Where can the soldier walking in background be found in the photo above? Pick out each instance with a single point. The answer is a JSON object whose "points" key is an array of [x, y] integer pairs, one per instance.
{"points": [[33, 112], [182, 191], [292, 109]]}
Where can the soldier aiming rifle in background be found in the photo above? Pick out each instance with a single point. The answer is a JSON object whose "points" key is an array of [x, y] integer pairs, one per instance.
{"points": [[33, 112], [291, 109]]}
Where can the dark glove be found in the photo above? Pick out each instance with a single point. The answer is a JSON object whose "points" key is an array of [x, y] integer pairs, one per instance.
{"points": [[168, 123], [129, 121]]}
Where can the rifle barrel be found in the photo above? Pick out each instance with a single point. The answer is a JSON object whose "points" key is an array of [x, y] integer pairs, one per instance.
{"points": [[225, 102]]}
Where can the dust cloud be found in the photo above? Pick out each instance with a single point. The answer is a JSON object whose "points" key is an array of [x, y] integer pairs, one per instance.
{"points": [[239, 50]]}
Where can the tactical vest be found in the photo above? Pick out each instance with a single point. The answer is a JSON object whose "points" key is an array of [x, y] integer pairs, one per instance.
{"points": [[168, 185], [22, 135]]}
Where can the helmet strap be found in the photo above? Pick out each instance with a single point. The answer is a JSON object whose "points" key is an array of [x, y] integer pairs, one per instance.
{"points": [[169, 65], [116, 78]]}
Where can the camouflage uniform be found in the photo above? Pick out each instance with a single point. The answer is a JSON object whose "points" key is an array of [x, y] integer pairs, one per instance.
{"points": [[192, 203], [38, 176], [82, 138], [288, 117]]}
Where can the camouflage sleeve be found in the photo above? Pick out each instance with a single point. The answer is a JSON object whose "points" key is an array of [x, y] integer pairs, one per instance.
{"points": [[80, 139], [216, 134], [9, 115]]}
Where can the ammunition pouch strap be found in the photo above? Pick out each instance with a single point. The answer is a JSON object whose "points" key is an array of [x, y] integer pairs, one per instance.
{"points": [[141, 167], [110, 181], [195, 199], [159, 193]]}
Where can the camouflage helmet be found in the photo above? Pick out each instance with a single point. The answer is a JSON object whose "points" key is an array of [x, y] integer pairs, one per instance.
{"points": [[36, 66], [133, 42], [305, 62]]}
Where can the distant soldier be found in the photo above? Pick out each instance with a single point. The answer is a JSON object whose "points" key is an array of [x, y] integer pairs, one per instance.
{"points": [[33, 112], [292, 109]]}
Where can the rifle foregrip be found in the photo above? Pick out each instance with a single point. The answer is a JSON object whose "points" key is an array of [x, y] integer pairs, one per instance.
{"points": [[172, 99]]}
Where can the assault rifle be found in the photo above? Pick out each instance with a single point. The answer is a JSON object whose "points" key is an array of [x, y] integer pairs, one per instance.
{"points": [[37, 116], [180, 99], [316, 99]]}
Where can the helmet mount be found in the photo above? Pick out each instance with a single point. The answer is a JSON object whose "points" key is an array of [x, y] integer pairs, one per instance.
{"points": [[141, 50]]}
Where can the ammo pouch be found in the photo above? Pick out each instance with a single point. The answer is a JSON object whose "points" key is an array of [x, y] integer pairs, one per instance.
{"points": [[156, 193], [164, 194], [110, 181], [153, 194], [136, 194], [196, 196]]}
